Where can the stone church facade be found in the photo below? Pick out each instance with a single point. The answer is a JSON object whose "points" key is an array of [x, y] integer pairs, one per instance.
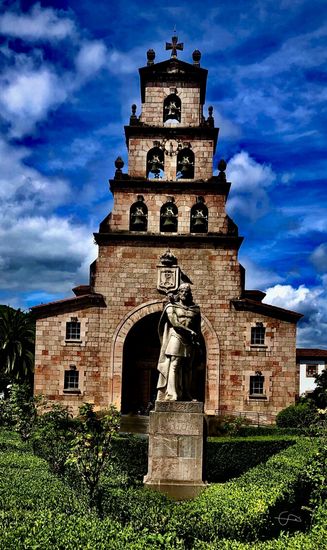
{"points": [[168, 225]]}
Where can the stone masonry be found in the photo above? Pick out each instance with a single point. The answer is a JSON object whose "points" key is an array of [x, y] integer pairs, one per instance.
{"points": [[123, 280]]}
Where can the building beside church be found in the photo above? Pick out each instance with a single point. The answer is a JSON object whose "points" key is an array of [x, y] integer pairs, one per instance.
{"points": [[168, 225]]}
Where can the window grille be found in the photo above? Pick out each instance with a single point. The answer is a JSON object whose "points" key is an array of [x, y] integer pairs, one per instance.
{"points": [[71, 379], [73, 330]]}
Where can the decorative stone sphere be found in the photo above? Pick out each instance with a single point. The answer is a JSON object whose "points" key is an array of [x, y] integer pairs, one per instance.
{"points": [[151, 55], [196, 56], [119, 163], [222, 165]]}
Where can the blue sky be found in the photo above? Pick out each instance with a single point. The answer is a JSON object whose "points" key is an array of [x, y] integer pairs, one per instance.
{"points": [[69, 74]]}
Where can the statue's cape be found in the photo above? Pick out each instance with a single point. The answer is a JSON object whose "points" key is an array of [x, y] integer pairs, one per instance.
{"points": [[163, 330]]}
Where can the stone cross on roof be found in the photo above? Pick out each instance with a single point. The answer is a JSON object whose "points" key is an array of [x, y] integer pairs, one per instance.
{"points": [[174, 46]]}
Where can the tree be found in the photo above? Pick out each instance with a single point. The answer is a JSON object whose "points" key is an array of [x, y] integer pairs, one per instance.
{"points": [[319, 394], [91, 446], [17, 340]]}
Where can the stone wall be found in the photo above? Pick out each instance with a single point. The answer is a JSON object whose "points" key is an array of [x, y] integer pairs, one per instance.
{"points": [[139, 147], [155, 94], [127, 276], [119, 220]]}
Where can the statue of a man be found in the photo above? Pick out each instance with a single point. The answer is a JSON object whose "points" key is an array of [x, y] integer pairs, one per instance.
{"points": [[179, 332]]}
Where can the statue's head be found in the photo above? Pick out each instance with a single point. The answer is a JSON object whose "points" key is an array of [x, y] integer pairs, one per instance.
{"points": [[185, 293]]}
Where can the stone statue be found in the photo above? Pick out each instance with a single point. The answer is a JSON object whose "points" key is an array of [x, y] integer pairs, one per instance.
{"points": [[179, 331]]}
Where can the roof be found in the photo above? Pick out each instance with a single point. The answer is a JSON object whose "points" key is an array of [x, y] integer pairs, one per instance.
{"points": [[311, 352], [174, 70], [69, 304], [245, 304]]}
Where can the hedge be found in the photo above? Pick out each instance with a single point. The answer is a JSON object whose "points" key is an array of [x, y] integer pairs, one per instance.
{"points": [[40, 512], [225, 457], [230, 457], [314, 539], [245, 508]]}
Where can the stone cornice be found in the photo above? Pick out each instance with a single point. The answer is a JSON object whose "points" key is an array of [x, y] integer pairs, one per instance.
{"points": [[69, 304], [170, 132], [244, 304], [214, 185], [168, 239]]}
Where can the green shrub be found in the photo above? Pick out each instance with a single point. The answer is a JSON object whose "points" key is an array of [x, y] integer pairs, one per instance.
{"points": [[130, 458], [225, 424], [6, 417], [252, 431], [230, 457], [52, 435], [297, 416], [24, 412], [245, 508]]}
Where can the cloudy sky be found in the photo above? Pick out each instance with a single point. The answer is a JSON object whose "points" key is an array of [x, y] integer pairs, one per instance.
{"points": [[68, 78]]}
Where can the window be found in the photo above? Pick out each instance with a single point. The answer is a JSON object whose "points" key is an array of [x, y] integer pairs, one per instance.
{"points": [[257, 385], [73, 329], [172, 108], [199, 217], [185, 163], [258, 335], [138, 216], [71, 379], [312, 371], [155, 163], [169, 216]]}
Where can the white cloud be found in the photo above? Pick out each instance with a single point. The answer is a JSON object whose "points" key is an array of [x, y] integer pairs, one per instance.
{"points": [[306, 219], [38, 24], [250, 181], [91, 58], [27, 96], [38, 249], [312, 303], [247, 174], [44, 253], [227, 129], [288, 297], [23, 189]]}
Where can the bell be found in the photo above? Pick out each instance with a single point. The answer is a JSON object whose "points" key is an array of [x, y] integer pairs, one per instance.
{"points": [[169, 222], [138, 221], [199, 222]]}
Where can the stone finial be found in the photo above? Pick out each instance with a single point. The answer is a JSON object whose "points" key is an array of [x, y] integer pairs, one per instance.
{"points": [[133, 117], [151, 55], [119, 163], [210, 120], [222, 167], [196, 56]]}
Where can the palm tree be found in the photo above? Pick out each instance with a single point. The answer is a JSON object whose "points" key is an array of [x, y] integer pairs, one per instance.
{"points": [[17, 337]]}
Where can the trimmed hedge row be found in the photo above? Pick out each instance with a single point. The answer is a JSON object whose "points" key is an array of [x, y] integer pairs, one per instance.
{"points": [[315, 539], [38, 511], [245, 508], [227, 458]]}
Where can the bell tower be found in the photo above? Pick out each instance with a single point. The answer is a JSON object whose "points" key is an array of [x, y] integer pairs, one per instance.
{"points": [[169, 187]]}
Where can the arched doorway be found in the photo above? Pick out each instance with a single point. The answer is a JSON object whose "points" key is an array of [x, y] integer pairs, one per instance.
{"points": [[140, 357]]}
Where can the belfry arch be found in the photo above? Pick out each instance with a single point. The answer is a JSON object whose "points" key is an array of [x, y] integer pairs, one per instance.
{"points": [[127, 333]]}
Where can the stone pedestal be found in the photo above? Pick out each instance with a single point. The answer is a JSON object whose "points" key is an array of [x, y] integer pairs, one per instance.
{"points": [[176, 449]]}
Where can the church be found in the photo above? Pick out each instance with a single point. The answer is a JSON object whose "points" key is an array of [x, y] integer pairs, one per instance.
{"points": [[168, 226]]}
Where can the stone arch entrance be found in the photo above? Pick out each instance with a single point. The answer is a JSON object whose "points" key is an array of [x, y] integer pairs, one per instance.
{"points": [[140, 357], [127, 359]]}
